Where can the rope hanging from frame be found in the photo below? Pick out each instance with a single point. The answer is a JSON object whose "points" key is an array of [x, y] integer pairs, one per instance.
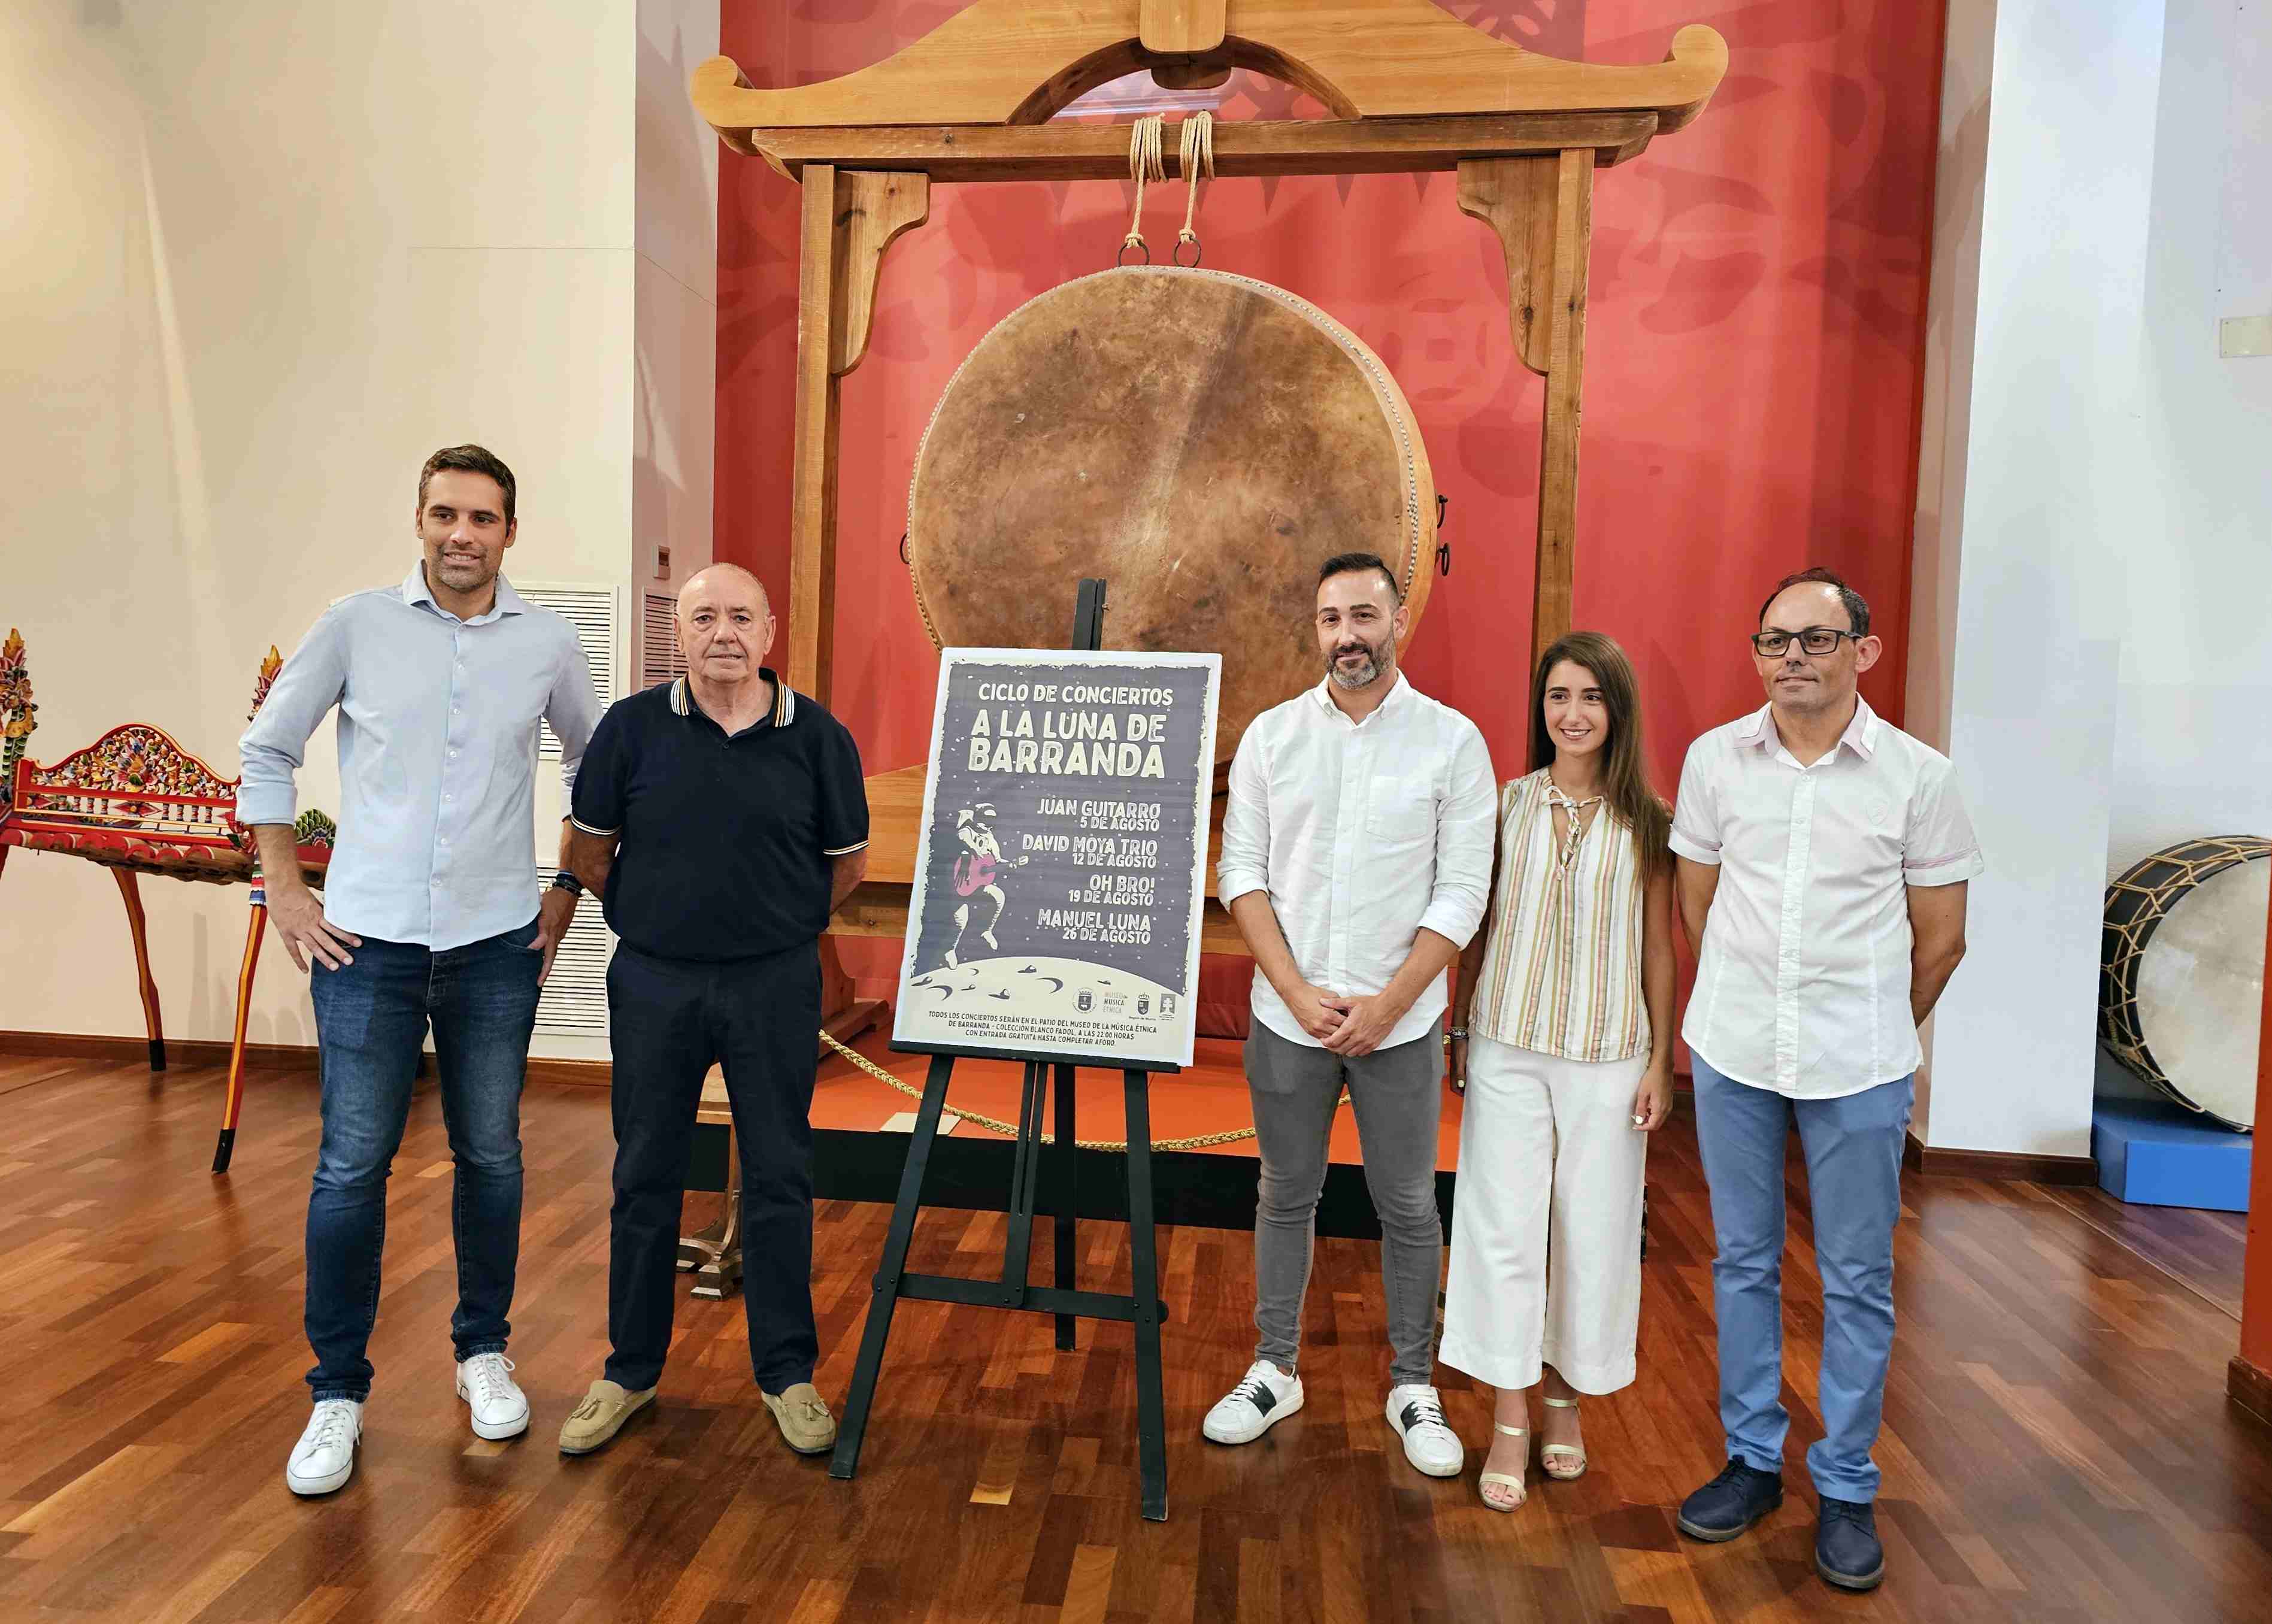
{"points": [[1147, 161], [1197, 152]]}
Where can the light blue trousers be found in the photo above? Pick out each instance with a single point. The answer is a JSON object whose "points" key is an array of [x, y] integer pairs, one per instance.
{"points": [[1853, 1147]]}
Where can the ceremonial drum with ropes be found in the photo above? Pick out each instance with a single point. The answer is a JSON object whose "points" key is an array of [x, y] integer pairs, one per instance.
{"points": [[1201, 441], [2181, 989]]}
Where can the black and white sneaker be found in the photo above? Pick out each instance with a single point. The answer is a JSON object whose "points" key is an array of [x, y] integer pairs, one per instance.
{"points": [[1430, 1443], [1264, 1396]]}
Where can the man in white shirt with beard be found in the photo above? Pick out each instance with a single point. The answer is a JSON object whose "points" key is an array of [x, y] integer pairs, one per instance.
{"points": [[1356, 854]]}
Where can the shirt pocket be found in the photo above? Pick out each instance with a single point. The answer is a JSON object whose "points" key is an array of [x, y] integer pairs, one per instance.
{"points": [[1867, 832], [1400, 815]]}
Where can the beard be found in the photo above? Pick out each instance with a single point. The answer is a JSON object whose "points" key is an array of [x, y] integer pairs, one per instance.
{"points": [[1376, 661], [464, 574]]}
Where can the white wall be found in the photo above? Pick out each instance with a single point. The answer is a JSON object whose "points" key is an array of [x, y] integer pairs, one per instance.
{"points": [[2094, 511], [675, 294], [260, 260], [2194, 740], [2194, 722], [2236, 37]]}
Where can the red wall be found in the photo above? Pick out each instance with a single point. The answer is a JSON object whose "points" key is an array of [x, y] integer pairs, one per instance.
{"points": [[2256, 1265], [1752, 368]]}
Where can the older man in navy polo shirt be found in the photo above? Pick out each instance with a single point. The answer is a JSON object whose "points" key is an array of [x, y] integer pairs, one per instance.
{"points": [[722, 818]]}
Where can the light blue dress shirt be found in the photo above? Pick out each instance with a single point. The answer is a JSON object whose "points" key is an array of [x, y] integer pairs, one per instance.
{"points": [[437, 740]]}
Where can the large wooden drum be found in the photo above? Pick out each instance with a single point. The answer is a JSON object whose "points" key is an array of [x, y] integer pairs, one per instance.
{"points": [[2181, 988], [1202, 441]]}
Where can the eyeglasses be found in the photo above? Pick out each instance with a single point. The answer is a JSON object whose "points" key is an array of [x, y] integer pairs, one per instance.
{"points": [[1814, 640]]}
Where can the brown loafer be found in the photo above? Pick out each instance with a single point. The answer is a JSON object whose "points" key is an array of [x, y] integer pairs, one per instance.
{"points": [[599, 1416], [804, 1416]]}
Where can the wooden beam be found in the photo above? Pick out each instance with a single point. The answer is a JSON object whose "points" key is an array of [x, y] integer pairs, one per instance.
{"points": [[813, 476], [848, 220], [1180, 28], [1565, 361], [1515, 198], [871, 210], [1011, 62], [1193, 73], [1542, 212], [1071, 152]]}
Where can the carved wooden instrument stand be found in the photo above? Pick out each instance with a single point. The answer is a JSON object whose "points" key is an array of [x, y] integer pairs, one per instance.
{"points": [[1411, 89]]}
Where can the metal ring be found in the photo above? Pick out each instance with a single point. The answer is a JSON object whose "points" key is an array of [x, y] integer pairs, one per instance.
{"points": [[910, 563], [1444, 559], [1121, 258], [1194, 243], [1443, 505]]}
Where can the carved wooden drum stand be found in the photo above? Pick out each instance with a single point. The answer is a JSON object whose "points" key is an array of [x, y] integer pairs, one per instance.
{"points": [[1201, 441], [1409, 89]]}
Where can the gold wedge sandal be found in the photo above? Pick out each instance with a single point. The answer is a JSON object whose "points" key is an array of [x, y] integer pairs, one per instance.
{"points": [[1549, 1452], [1516, 1482]]}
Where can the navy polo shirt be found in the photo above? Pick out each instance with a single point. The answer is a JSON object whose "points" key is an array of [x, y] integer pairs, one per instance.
{"points": [[725, 844]]}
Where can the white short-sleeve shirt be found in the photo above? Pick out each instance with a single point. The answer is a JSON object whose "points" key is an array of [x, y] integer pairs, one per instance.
{"points": [[1803, 985]]}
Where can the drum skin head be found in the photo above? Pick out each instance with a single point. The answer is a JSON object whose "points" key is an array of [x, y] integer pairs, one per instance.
{"points": [[2182, 991], [1201, 441]]}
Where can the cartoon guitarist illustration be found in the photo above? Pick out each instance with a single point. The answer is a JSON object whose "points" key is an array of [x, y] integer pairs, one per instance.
{"points": [[976, 872]]}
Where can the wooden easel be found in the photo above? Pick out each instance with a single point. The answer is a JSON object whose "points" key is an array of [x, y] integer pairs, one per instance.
{"points": [[1140, 1307], [1411, 89]]}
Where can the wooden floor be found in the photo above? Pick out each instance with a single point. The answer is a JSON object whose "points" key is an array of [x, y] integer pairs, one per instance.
{"points": [[2058, 1444]]}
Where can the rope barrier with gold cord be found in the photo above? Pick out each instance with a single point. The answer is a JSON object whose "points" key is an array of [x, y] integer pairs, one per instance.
{"points": [[1009, 1130]]}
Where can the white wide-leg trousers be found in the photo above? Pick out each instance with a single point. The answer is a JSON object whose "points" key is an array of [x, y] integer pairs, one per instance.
{"points": [[1546, 1221]]}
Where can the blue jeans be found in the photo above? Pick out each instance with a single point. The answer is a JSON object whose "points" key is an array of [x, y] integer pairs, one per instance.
{"points": [[370, 1026], [1853, 1147]]}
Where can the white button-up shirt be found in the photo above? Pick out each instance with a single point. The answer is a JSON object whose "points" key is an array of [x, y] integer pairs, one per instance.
{"points": [[1362, 833], [1803, 985], [437, 756]]}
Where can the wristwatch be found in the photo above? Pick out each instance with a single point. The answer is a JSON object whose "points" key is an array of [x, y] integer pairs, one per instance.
{"points": [[566, 881], [1458, 1034]]}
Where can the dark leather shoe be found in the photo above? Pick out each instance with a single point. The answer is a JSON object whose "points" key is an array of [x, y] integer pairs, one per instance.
{"points": [[1846, 1549], [1730, 1503]]}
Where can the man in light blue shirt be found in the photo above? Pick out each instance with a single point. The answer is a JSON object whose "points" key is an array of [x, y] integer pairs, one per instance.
{"points": [[430, 913]]}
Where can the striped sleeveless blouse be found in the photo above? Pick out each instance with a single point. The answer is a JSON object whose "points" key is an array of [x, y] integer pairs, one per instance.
{"points": [[1561, 974]]}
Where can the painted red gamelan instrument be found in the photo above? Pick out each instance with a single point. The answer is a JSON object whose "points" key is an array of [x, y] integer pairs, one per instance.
{"points": [[136, 802]]}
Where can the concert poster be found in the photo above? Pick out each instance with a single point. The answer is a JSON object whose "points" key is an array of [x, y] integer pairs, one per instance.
{"points": [[1061, 862]]}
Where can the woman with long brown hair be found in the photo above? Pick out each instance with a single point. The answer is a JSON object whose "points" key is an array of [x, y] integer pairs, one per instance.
{"points": [[1562, 1041]]}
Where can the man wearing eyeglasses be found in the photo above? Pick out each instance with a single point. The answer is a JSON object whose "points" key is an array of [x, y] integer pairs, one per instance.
{"points": [[1823, 861]]}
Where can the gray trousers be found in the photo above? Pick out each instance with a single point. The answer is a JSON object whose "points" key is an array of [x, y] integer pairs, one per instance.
{"points": [[1398, 1097]]}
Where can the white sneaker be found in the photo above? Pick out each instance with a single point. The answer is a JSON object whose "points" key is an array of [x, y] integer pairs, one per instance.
{"points": [[325, 1456], [500, 1407], [1417, 1415], [1264, 1396]]}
